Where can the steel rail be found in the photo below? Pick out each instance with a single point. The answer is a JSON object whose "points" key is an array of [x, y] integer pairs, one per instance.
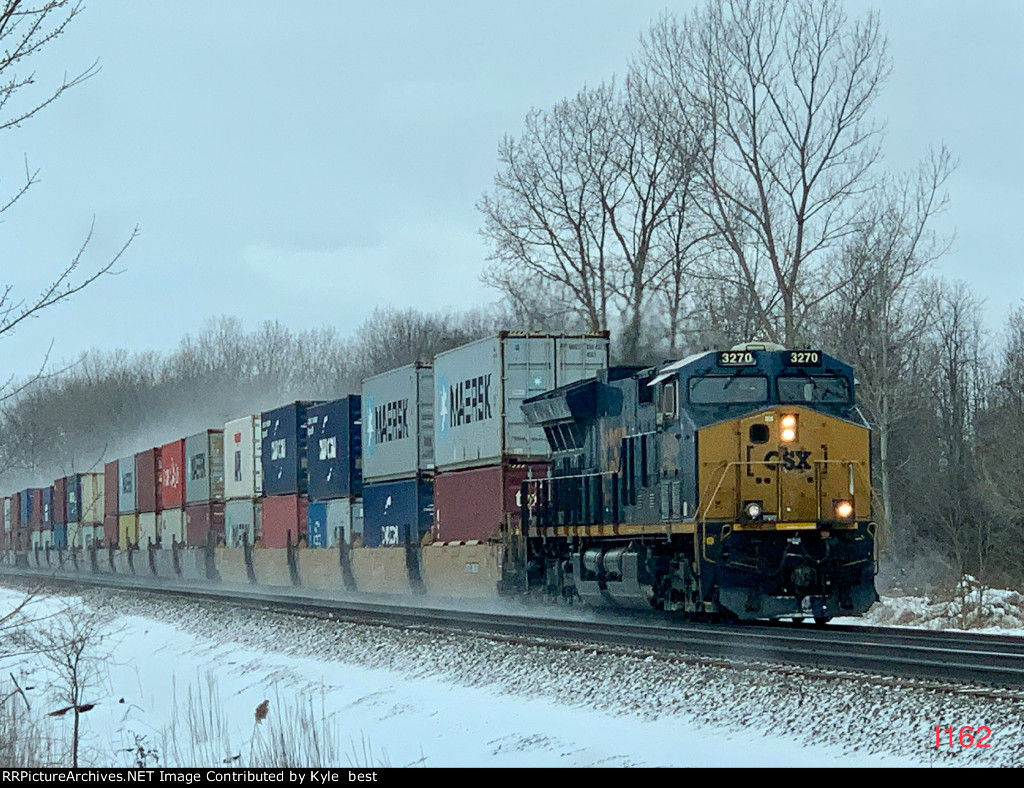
{"points": [[942, 658]]}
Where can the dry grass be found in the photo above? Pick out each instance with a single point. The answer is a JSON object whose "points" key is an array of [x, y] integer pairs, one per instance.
{"points": [[296, 732]]}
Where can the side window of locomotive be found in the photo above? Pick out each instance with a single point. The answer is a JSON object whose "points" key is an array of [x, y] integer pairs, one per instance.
{"points": [[668, 401], [722, 390], [820, 389]]}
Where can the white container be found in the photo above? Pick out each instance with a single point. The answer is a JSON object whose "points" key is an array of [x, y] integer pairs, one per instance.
{"points": [[170, 527], [91, 505], [147, 529], [243, 474]]}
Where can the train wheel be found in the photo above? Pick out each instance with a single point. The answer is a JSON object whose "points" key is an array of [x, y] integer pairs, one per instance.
{"points": [[820, 621]]}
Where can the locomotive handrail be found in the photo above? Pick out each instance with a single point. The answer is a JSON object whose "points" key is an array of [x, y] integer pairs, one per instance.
{"points": [[700, 543], [726, 465]]}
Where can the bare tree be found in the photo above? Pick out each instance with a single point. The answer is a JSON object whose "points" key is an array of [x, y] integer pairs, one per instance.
{"points": [[544, 218], [69, 644], [590, 204], [779, 92], [960, 381], [26, 28], [877, 318]]}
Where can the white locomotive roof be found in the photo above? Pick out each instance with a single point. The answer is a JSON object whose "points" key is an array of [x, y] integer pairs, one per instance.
{"points": [[666, 372]]}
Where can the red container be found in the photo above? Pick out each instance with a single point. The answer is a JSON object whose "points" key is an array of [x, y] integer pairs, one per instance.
{"points": [[473, 504], [110, 480], [110, 520], [60, 500], [145, 479], [16, 510], [284, 517], [36, 509], [172, 475], [200, 519]]}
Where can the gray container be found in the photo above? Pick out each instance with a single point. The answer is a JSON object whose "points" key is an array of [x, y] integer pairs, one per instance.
{"points": [[242, 522], [126, 500], [480, 387], [204, 467], [398, 423]]}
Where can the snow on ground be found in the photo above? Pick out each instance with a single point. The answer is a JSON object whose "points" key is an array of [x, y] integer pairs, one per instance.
{"points": [[370, 696]]}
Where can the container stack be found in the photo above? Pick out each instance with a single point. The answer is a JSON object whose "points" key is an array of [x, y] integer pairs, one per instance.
{"points": [[83, 509], [60, 513], [32, 515], [204, 488], [335, 477], [127, 504], [170, 526], [243, 481], [111, 504], [398, 456], [47, 511], [483, 446], [285, 474], [19, 539], [146, 495], [5, 524]]}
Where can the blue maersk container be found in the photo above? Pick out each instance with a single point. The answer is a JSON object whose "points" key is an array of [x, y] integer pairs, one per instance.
{"points": [[397, 513], [284, 449], [60, 536], [334, 449]]}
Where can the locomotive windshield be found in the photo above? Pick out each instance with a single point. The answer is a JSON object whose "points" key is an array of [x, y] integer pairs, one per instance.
{"points": [[722, 390], [814, 388]]}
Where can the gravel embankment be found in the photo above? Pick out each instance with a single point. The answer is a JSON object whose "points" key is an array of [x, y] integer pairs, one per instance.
{"points": [[875, 717]]}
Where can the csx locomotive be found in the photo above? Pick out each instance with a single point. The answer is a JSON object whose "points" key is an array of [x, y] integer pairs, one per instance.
{"points": [[730, 484]]}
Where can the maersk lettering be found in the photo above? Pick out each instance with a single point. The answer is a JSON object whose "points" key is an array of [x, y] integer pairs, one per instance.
{"points": [[469, 401], [391, 421]]}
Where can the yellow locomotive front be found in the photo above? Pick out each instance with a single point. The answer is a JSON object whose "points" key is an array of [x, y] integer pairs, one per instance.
{"points": [[784, 510]]}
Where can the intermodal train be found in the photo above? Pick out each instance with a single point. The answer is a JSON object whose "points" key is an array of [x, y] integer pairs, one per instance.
{"points": [[731, 484]]}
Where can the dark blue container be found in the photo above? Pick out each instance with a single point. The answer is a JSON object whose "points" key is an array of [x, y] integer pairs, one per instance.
{"points": [[397, 513], [284, 449], [73, 498], [60, 536], [47, 507], [334, 449], [26, 507]]}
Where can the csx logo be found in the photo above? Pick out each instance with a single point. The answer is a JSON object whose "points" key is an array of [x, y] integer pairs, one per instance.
{"points": [[790, 460]]}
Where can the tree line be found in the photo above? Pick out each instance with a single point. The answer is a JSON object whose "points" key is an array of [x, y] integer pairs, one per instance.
{"points": [[111, 404]]}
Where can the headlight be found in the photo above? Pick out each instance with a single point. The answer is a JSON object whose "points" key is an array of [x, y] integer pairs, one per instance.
{"points": [[787, 428], [843, 510], [753, 510]]}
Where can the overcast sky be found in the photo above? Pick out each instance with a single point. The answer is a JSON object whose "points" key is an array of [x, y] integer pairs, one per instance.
{"points": [[307, 163]]}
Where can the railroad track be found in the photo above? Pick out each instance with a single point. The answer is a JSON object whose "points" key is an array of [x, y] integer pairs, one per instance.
{"points": [[963, 662]]}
